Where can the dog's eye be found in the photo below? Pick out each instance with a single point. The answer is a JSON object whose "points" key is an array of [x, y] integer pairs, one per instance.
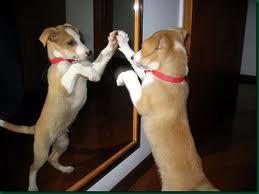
{"points": [[71, 43]]}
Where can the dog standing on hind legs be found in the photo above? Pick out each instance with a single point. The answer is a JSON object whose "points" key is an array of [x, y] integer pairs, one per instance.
{"points": [[67, 93], [161, 100]]}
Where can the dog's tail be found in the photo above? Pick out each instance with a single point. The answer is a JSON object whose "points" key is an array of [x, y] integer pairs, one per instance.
{"points": [[17, 128]]}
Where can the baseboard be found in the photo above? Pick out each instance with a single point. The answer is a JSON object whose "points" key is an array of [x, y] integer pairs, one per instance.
{"points": [[249, 79], [136, 173]]}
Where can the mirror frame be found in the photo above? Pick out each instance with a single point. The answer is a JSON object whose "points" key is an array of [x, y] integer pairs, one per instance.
{"points": [[138, 4]]}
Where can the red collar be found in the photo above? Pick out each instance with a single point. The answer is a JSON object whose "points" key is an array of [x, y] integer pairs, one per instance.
{"points": [[166, 77], [59, 59]]}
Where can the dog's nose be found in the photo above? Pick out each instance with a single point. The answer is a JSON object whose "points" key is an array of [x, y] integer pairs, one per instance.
{"points": [[88, 53], [132, 57]]}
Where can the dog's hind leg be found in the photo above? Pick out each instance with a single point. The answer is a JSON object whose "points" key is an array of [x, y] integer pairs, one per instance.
{"points": [[59, 147], [41, 151]]}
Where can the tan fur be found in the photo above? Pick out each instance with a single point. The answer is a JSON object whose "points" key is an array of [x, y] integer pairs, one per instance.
{"points": [[164, 114], [18, 129], [46, 34]]}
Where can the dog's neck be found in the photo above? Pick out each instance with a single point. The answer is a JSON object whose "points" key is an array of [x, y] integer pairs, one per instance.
{"points": [[166, 77], [54, 53], [56, 57], [50, 50], [175, 67]]}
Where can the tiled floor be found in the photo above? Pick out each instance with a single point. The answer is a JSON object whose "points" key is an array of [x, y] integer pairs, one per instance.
{"points": [[229, 161]]}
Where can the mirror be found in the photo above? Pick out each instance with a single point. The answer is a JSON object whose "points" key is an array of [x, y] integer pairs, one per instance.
{"points": [[107, 126]]}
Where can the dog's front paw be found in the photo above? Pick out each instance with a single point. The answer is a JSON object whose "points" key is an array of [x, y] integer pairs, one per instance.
{"points": [[90, 73], [112, 40], [94, 77], [120, 80], [67, 84], [126, 75], [123, 40], [67, 169]]}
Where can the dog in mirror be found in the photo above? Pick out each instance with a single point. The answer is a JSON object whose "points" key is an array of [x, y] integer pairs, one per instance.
{"points": [[67, 94]]}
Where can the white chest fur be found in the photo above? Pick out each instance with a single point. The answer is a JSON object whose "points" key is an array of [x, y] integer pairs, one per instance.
{"points": [[79, 95], [147, 80]]}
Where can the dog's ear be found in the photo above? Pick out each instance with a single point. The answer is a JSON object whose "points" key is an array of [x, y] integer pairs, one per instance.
{"points": [[70, 26], [186, 42], [163, 42], [186, 35], [48, 34]]}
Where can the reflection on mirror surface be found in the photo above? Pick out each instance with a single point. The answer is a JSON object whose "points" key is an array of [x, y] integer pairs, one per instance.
{"points": [[104, 125]]}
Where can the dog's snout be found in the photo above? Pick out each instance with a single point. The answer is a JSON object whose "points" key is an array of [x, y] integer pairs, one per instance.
{"points": [[88, 53], [132, 57]]}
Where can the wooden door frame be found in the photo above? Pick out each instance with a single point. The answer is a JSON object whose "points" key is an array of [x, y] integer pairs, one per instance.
{"points": [[136, 124], [224, 66], [187, 22]]}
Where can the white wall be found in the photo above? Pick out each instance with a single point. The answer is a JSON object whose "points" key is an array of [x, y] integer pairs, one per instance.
{"points": [[162, 14], [157, 14], [248, 66], [80, 14]]}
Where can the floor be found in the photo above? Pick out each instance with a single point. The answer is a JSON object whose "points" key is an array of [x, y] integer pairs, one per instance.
{"points": [[229, 161]]}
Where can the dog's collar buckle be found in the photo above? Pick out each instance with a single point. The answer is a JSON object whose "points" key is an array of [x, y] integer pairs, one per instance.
{"points": [[165, 77], [59, 59]]}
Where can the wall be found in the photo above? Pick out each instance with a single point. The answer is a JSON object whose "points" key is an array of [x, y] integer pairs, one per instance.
{"points": [[80, 14], [162, 14], [248, 66], [156, 15]]}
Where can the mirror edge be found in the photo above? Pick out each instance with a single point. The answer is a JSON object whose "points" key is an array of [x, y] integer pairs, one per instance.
{"points": [[138, 8]]}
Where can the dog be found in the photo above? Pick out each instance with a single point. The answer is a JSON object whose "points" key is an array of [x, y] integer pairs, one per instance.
{"points": [[67, 93], [161, 100]]}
